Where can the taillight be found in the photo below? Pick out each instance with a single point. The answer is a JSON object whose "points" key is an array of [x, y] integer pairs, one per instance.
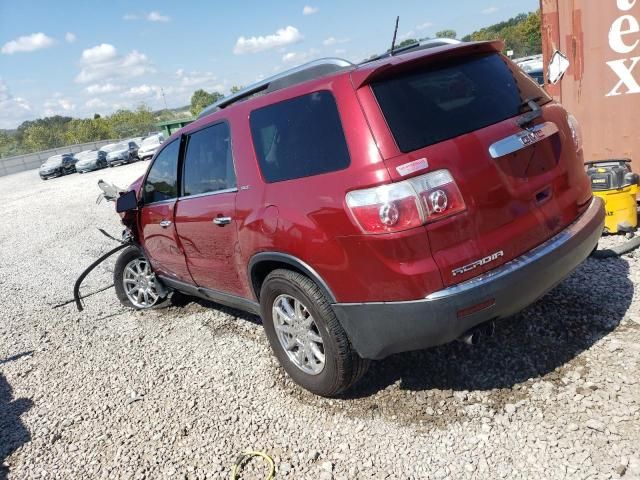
{"points": [[439, 194], [385, 209], [403, 205]]}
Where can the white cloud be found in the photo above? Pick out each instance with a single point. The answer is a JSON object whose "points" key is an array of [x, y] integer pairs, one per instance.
{"points": [[100, 53], [299, 57], [309, 10], [157, 17], [289, 57], [58, 104], [143, 91], [153, 16], [102, 88], [340, 51], [327, 42], [96, 103], [28, 43], [14, 110], [405, 36], [490, 10], [70, 37], [284, 36], [103, 62], [424, 26], [195, 78]]}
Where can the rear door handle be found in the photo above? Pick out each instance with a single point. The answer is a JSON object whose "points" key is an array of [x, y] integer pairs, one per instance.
{"points": [[222, 221], [165, 223]]}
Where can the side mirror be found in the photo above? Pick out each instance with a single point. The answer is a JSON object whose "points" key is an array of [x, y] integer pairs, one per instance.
{"points": [[558, 66], [126, 202]]}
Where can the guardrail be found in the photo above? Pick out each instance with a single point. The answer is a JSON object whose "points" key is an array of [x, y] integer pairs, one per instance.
{"points": [[29, 161]]}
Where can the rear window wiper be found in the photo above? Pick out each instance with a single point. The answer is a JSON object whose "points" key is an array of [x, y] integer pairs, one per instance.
{"points": [[536, 112]]}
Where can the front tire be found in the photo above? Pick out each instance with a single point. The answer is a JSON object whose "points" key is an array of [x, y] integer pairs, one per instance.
{"points": [[135, 283], [306, 336]]}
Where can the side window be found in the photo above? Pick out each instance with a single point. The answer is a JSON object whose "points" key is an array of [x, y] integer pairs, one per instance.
{"points": [[299, 137], [208, 162], [162, 181]]}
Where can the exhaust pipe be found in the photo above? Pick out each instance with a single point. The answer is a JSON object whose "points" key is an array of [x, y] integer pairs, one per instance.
{"points": [[473, 335]]}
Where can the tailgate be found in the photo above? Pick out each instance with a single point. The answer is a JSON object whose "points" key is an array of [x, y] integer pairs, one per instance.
{"points": [[520, 185]]}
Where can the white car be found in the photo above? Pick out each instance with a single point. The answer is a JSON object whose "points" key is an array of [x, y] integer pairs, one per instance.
{"points": [[149, 146]]}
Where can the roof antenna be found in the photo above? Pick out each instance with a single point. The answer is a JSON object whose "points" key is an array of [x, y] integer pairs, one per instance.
{"points": [[395, 32]]}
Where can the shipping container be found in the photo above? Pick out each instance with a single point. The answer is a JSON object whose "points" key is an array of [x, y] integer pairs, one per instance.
{"points": [[601, 87]]}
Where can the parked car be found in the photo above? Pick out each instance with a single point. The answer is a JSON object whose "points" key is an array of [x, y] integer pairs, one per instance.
{"points": [[149, 146], [121, 153], [89, 160], [58, 165], [364, 210], [538, 75]]}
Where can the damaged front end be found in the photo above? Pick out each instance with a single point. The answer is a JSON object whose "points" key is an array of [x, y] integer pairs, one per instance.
{"points": [[127, 207]]}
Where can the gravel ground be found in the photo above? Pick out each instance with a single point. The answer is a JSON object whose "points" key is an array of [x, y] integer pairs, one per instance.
{"points": [[180, 392]]}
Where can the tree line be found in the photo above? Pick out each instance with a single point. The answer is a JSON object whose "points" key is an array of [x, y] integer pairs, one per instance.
{"points": [[59, 131], [521, 34]]}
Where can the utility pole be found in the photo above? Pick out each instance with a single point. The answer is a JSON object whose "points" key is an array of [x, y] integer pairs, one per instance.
{"points": [[164, 98]]}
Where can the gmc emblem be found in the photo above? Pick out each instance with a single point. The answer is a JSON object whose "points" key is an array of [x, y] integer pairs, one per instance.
{"points": [[478, 263], [531, 137]]}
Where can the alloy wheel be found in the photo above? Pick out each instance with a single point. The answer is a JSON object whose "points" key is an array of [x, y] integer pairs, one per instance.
{"points": [[140, 284], [298, 334]]}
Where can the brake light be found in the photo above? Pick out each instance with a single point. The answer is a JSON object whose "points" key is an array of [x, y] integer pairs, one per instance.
{"points": [[439, 194], [403, 205], [385, 209]]}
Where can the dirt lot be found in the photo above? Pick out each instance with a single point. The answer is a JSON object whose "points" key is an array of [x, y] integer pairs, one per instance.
{"points": [[180, 392]]}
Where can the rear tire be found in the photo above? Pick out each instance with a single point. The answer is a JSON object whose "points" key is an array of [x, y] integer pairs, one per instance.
{"points": [[310, 316], [133, 270]]}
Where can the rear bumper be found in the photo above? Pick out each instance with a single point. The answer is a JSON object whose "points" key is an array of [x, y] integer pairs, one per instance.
{"points": [[379, 329]]}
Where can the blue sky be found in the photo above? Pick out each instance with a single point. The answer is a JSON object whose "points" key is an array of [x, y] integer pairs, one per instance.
{"points": [[79, 57]]}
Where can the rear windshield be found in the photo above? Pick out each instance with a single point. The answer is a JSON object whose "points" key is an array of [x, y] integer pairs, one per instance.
{"points": [[436, 103]]}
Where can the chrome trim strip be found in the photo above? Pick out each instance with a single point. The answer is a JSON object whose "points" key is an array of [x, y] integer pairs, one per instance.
{"points": [[208, 194], [508, 268], [159, 202], [523, 139]]}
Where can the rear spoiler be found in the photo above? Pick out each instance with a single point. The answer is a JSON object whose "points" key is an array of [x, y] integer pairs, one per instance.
{"points": [[396, 64]]}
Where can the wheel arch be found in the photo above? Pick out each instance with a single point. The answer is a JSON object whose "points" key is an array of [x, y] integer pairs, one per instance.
{"points": [[261, 264]]}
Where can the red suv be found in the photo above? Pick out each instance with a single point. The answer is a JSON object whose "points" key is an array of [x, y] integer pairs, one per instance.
{"points": [[364, 210]]}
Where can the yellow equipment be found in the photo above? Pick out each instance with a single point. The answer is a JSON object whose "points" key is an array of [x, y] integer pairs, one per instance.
{"points": [[617, 185]]}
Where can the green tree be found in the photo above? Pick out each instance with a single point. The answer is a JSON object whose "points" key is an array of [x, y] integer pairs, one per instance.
{"points": [[56, 122], [88, 130], [447, 34], [236, 89], [40, 136], [9, 144], [521, 34], [202, 99], [131, 123]]}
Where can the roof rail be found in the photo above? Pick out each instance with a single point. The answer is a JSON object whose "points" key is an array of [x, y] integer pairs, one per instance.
{"points": [[293, 76]]}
